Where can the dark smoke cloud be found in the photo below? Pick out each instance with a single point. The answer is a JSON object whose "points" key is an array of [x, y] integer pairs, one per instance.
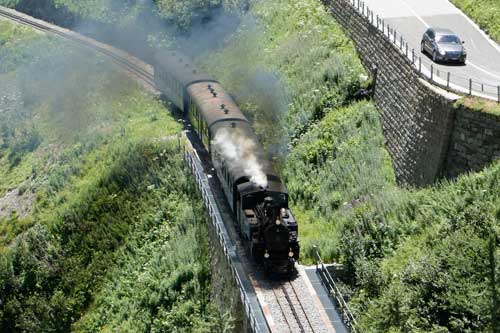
{"points": [[142, 28]]}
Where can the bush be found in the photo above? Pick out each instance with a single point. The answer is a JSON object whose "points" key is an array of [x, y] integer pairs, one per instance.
{"points": [[26, 142], [408, 264], [110, 197], [484, 12]]}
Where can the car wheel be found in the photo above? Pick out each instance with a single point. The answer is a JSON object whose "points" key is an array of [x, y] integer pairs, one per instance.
{"points": [[422, 47], [434, 56]]}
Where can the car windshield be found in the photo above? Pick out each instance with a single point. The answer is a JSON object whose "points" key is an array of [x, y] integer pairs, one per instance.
{"points": [[449, 39]]}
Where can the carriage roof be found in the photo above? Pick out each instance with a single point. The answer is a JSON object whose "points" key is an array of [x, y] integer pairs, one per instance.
{"points": [[181, 68]]}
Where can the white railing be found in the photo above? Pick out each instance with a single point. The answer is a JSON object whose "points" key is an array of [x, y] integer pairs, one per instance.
{"points": [[334, 292]]}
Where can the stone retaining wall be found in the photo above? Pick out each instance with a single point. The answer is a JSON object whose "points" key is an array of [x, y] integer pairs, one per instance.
{"points": [[475, 141], [426, 135]]}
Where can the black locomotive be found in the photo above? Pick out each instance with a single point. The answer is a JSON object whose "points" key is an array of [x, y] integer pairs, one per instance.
{"points": [[254, 191]]}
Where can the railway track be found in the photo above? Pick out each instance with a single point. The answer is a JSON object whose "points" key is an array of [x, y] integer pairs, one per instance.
{"points": [[294, 313], [291, 309], [117, 56]]}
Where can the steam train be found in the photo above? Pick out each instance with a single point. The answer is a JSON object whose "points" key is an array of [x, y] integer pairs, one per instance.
{"points": [[254, 191]]}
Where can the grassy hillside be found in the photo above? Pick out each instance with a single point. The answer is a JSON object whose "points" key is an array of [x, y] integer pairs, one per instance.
{"points": [[416, 260], [486, 13], [431, 263], [101, 228], [181, 15]]}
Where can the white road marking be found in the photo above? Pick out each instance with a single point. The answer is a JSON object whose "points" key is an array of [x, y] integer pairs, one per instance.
{"points": [[415, 13], [483, 70], [420, 18], [492, 43]]}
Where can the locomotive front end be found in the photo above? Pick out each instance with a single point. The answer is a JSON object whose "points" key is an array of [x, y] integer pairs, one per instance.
{"points": [[272, 229], [280, 243]]}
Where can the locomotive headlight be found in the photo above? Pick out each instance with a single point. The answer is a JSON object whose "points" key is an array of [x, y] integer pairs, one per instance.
{"points": [[266, 255], [278, 222], [290, 254]]}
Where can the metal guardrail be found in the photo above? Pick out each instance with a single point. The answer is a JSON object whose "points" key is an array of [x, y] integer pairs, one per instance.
{"points": [[425, 67], [253, 311], [334, 292]]}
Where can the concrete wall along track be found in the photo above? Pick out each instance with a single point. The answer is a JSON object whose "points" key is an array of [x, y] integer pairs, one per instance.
{"points": [[426, 135]]}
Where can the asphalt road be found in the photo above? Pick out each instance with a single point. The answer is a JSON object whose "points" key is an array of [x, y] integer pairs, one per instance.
{"points": [[412, 17]]}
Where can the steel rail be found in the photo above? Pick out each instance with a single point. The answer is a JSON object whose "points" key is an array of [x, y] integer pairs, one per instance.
{"points": [[283, 310], [148, 78], [289, 304], [301, 306], [292, 307]]}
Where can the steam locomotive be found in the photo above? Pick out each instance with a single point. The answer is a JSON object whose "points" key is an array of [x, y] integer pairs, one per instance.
{"points": [[254, 191]]}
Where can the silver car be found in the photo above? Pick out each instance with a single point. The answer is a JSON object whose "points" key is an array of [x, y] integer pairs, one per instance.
{"points": [[443, 45]]}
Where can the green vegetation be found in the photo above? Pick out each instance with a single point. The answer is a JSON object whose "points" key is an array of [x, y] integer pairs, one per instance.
{"points": [[430, 263], [486, 13], [294, 73], [479, 105], [415, 260], [101, 226], [180, 14]]}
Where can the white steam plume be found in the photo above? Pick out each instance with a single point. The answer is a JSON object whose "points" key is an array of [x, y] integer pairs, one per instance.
{"points": [[239, 151]]}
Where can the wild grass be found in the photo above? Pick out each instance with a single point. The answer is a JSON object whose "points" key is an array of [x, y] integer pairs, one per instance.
{"points": [[415, 260], [486, 13], [115, 232], [479, 105], [181, 15], [294, 73], [429, 263]]}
